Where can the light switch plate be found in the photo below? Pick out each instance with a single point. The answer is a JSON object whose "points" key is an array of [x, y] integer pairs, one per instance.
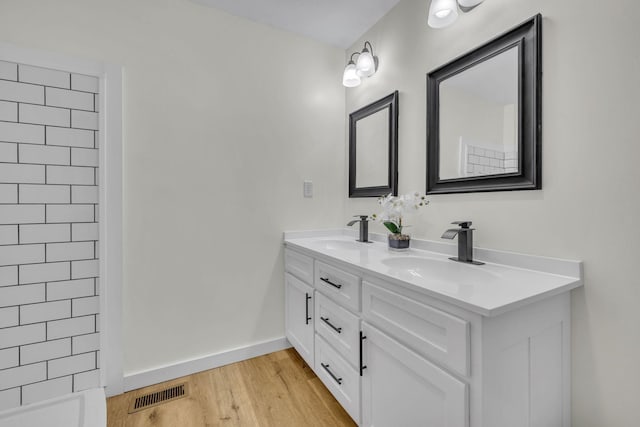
{"points": [[307, 188]]}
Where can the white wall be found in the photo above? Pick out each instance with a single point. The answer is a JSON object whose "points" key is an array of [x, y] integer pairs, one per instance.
{"points": [[589, 206], [223, 119]]}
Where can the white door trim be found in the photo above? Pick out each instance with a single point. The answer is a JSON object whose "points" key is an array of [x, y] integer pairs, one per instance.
{"points": [[110, 194]]}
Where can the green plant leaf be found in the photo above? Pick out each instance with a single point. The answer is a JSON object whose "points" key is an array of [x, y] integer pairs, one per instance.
{"points": [[392, 227]]}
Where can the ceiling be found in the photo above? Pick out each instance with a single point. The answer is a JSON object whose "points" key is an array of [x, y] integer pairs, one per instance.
{"points": [[335, 22]]}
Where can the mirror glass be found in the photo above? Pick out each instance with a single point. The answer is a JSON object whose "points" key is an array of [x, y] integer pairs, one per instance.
{"points": [[372, 149], [484, 114], [478, 119]]}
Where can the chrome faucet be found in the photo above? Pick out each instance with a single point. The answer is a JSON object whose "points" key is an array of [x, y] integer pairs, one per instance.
{"points": [[364, 227], [465, 242]]}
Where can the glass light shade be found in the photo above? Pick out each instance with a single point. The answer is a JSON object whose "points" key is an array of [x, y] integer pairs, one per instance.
{"points": [[469, 3], [442, 13], [350, 78], [365, 66]]}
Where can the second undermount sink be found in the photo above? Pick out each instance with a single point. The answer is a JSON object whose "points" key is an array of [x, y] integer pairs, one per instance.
{"points": [[435, 269], [343, 245]]}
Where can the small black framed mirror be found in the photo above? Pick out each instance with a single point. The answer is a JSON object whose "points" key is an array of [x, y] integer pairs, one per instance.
{"points": [[484, 116], [373, 149]]}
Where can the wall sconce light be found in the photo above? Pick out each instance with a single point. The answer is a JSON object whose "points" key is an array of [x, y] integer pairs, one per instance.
{"points": [[365, 66], [443, 13]]}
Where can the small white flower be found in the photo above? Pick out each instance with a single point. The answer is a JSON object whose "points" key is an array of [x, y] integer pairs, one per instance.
{"points": [[395, 207]]}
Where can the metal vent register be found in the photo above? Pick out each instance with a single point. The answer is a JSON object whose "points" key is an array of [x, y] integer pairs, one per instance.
{"points": [[159, 397]]}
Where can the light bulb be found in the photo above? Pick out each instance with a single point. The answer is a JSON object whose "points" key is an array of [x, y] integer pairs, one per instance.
{"points": [[442, 13], [366, 66], [350, 77]]}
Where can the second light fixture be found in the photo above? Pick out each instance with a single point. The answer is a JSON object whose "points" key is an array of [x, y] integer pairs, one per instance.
{"points": [[366, 65], [443, 13]]}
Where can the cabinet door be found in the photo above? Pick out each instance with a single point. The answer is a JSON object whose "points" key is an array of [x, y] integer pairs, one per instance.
{"points": [[402, 389], [299, 316]]}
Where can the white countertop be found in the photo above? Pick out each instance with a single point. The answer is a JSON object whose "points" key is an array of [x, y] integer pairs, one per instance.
{"points": [[505, 282]]}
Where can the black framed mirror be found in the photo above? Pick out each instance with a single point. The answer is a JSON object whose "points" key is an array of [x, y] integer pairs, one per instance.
{"points": [[373, 149], [484, 116]]}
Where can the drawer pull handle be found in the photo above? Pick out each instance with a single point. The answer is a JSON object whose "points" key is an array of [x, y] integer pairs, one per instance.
{"points": [[306, 309], [326, 280], [326, 368], [362, 366], [332, 326]]}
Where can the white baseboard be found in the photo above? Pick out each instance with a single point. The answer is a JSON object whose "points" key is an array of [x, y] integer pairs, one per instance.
{"points": [[188, 367]]}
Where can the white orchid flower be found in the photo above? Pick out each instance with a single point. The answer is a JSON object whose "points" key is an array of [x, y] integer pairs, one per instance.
{"points": [[395, 207]]}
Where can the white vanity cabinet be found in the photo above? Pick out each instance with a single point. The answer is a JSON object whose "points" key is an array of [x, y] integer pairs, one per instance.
{"points": [[299, 304], [399, 355]]}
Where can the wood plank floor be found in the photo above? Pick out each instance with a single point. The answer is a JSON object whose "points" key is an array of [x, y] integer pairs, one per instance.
{"points": [[275, 390]]}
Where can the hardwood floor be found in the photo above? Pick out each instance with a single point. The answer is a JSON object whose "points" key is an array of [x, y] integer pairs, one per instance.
{"points": [[275, 390]]}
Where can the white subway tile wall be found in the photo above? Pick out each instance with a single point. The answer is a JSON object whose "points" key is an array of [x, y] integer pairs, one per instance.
{"points": [[20, 92], [36, 114], [40, 194], [8, 111], [69, 99], [45, 233], [8, 234], [9, 317], [45, 351], [9, 275], [9, 398], [8, 193], [49, 304], [18, 295], [19, 132], [8, 151], [8, 70], [86, 343], [70, 289], [79, 194], [9, 358], [10, 172], [86, 380], [51, 271], [484, 161], [69, 137], [44, 76], [70, 213]]}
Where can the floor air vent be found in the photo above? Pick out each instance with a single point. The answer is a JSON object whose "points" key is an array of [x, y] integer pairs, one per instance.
{"points": [[159, 397]]}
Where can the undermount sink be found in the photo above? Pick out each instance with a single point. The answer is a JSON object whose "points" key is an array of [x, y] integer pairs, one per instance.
{"points": [[412, 262], [343, 245], [438, 269]]}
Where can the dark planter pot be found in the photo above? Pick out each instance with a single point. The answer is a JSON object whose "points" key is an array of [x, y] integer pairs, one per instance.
{"points": [[399, 242]]}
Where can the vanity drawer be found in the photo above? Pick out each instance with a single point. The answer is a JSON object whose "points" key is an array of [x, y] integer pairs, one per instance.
{"points": [[339, 377], [299, 265], [438, 335], [339, 285], [338, 327]]}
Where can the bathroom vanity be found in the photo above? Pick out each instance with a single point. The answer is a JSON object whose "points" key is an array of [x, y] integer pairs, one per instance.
{"points": [[415, 339]]}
